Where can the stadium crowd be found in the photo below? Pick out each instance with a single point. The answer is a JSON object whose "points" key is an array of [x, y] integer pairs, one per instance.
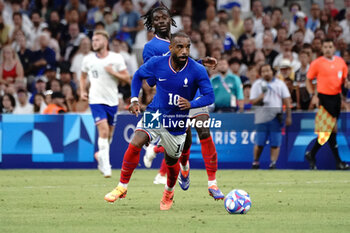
{"points": [[43, 42]]}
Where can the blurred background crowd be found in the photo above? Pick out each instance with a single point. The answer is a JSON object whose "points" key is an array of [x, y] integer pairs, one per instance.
{"points": [[43, 42]]}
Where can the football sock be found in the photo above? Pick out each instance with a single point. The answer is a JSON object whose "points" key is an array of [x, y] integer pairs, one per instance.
{"points": [[185, 155], [103, 150], [334, 146], [130, 162], [169, 189], [158, 149], [172, 174], [314, 149], [210, 157], [123, 185], [162, 169], [211, 182]]}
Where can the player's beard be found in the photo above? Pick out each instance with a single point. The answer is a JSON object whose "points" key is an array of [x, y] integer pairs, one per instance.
{"points": [[178, 62], [99, 48]]}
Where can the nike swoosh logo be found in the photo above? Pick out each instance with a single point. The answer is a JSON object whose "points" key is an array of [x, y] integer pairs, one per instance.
{"points": [[162, 79], [164, 54]]}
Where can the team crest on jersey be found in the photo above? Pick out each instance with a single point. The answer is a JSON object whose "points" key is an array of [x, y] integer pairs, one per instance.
{"points": [[185, 82]]}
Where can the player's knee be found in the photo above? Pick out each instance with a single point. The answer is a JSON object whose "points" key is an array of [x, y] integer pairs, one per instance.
{"points": [[140, 138]]}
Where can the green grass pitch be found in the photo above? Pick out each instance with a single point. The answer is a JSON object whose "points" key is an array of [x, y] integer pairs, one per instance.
{"points": [[71, 201]]}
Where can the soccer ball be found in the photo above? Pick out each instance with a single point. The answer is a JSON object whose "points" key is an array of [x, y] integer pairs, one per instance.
{"points": [[237, 202]]}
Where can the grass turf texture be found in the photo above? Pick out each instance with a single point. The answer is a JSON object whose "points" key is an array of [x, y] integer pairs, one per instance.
{"points": [[72, 201]]}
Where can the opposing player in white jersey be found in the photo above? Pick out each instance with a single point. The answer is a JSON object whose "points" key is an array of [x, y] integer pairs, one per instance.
{"points": [[104, 69]]}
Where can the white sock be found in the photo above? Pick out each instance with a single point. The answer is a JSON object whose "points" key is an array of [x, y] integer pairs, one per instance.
{"points": [[211, 182], [186, 167], [123, 185], [103, 150], [169, 189]]}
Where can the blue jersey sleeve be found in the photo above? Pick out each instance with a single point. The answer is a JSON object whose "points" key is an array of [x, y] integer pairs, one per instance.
{"points": [[147, 53], [143, 72], [205, 89]]}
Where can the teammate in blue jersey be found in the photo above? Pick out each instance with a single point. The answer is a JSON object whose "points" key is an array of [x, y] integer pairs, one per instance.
{"points": [[161, 20], [178, 78]]}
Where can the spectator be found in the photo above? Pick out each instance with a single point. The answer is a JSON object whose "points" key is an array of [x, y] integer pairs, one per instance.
{"points": [[269, 94], [23, 106], [246, 93], [325, 20], [101, 10], [293, 9], [297, 39], [285, 70], [71, 97], [73, 18], [92, 9], [36, 29], [227, 89], [44, 56], [73, 44], [111, 27], [222, 15], [57, 105], [235, 25], [11, 68], [4, 32], [248, 31], [313, 22], [300, 20], [186, 21], [25, 55], [227, 39], [130, 22], [55, 26], [39, 104], [39, 87], [341, 15], [53, 44], [55, 85], [248, 51], [287, 53], [78, 6], [266, 21], [235, 68], [293, 93], [84, 49], [345, 25], [316, 46], [257, 9], [44, 7], [252, 73], [282, 34], [18, 25], [303, 97], [66, 75], [276, 17], [8, 103], [195, 39], [330, 8], [268, 48]]}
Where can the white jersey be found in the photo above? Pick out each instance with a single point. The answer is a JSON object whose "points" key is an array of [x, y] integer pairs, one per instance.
{"points": [[103, 86]]}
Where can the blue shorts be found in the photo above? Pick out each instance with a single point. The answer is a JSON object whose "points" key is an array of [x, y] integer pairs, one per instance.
{"points": [[271, 131], [101, 112]]}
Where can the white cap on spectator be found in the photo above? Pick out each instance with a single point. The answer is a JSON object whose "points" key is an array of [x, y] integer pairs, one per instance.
{"points": [[285, 63]]}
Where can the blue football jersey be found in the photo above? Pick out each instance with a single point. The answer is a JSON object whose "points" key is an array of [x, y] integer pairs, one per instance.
{"points": [[171, 85], [155, 47]]}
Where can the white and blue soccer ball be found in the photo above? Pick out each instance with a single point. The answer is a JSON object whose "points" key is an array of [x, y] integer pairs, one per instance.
{"points": [[237, 202]]}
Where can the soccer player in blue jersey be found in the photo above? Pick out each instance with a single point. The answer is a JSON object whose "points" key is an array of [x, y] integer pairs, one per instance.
{"points": [[160, 19], [178, 78]]}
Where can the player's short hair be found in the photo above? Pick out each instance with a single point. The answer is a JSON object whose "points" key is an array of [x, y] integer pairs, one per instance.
{"points": [[328, 40], [179, 34], [102, 33]]}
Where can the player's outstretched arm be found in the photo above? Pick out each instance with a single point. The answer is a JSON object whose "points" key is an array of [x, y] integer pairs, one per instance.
{"points": [[209, 62]]}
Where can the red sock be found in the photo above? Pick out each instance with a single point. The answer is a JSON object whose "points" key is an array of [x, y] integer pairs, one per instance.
{"points": [[130, 162], [210, 157], [172, 173], [162, 169], [158, 149], [185, 155]]}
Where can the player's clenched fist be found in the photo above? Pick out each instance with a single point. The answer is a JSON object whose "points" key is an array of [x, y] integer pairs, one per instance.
{"points": [[134, 108], [184, 104]]}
